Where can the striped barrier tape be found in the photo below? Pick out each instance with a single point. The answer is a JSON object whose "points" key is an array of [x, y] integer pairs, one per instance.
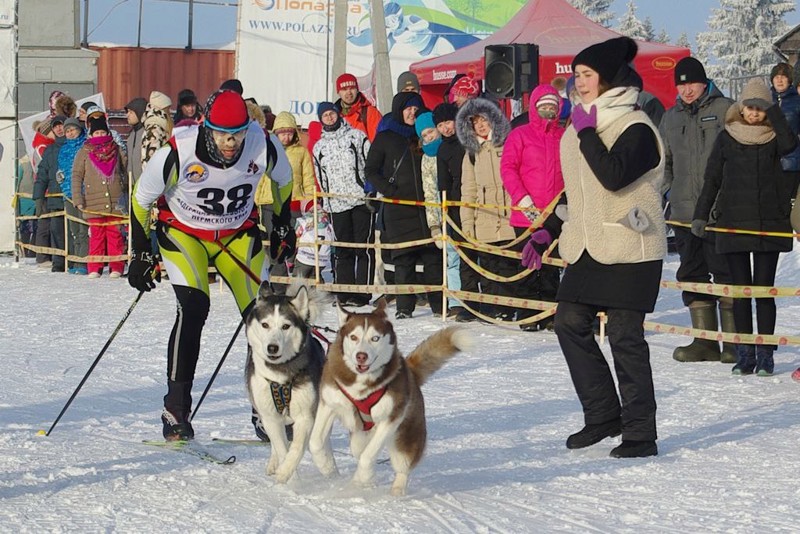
{"points": [[721, 290], [735, 231], [728, 337]]}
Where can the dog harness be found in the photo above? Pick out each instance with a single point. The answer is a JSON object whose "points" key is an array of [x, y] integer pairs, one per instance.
{"points": [[364, 406], [281, 396]]}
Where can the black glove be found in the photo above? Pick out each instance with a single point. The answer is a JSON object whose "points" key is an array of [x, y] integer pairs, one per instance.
{"points": [[282, 241], [699, 227], [40, 208], [143, 271]]}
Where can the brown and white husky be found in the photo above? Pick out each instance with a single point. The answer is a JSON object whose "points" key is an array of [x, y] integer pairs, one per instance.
{"points": [[375, 393]]}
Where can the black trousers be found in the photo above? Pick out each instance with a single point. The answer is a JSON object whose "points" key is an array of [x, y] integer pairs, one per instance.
{"points": [[699, 261], [354, 265], [539, 285], [470, 278], [591, 375], [763, 274], [405, 273]]}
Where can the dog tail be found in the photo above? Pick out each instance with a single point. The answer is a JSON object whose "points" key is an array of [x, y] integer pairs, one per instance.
{"points": [[436, 350]]}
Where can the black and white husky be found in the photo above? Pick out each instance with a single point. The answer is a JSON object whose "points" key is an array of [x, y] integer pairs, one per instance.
{"points": [[283, 370]]}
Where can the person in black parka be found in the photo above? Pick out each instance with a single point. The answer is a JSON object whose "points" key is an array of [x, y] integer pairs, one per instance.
{"points": [[394, 169], [752, 192]]}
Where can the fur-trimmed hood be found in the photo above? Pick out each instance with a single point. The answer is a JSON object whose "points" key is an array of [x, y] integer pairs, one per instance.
{"points": [[481, 106]]}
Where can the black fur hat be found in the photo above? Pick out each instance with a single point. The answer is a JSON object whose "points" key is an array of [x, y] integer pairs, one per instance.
{"points": [[186, 97]]}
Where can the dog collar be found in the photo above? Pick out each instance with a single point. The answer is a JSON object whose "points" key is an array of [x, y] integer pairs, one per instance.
{"points": [[364, 406]]}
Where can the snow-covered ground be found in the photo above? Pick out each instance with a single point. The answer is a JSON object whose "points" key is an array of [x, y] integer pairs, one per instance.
{"points": [[497, 420]]}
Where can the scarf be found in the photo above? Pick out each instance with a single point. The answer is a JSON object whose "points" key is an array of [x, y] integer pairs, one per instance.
{"points": [[103, 154], [750, 134], [66, 160], [409, 132], [744, 133], [612, 104], [432, 148]]}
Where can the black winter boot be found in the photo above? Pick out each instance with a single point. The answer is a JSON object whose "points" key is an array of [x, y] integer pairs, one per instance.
{"points": [[704, 317], [745, 359], [765, 363], [176, 417], [728, 325], [591, 434], [634, 449]]}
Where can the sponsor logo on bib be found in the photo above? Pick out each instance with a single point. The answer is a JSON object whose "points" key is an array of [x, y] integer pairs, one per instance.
{"points": [[196, 173]]}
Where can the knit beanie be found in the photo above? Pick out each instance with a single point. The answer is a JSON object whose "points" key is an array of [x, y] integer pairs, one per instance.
{"points": [[465, 86], [137, 105], [226, 111], [159, 100], [424, 121], [548, 100], [58, 119], [408, 81], [97, 123], [610, 59], [284, 122], [444, 112], [781, 69], [322, 107], [88, 104], [346, 81], [72, 122], [187, 97], [232, 85], [690, 70], [754, 94]]}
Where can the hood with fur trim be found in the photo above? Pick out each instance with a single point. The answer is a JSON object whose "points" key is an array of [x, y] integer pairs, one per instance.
{"points": [[481, 106]]}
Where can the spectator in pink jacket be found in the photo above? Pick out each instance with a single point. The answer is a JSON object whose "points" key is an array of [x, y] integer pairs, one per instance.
{"points": [[531, 172]]}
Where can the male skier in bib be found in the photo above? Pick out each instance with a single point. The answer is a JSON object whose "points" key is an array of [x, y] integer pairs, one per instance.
{"points": [[203, 183]]}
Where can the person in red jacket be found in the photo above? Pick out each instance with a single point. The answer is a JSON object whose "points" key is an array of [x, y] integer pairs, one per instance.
{"points": [[354, 107], [531, 173]]}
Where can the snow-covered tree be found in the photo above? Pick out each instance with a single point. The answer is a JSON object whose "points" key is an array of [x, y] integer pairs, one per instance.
{"points": [[630, 25], [740, 37], [683, 40], [649, 31], [597, 10], [662, 37]]}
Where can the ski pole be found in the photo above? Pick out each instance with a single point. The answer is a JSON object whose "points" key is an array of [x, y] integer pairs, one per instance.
{"points": [[216, 371], [96, 360]]}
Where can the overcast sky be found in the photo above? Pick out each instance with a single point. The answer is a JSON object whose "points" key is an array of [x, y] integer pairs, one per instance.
{"points": [[165, 21]]}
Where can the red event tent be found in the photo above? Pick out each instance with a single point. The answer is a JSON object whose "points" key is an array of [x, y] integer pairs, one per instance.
{"points": [[561, 32]]}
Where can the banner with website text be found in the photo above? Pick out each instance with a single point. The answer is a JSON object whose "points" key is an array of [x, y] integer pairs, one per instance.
{"points": [[284, 47]]}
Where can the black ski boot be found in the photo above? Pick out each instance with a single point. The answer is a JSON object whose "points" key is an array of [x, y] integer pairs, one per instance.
{"points": [[176, 417], [591, 434]]}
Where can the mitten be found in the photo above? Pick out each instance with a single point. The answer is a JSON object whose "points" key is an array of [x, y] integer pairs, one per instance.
{"points": [[143, 271], [699, 227], [582, 120], [436, 234], [636, 220], [535, 248], [282, 242]]}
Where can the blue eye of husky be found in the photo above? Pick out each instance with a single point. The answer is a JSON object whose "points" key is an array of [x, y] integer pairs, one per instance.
{"points": [[375, 339]]}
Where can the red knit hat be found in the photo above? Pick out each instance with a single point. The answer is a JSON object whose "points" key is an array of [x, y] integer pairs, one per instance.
{"points": [[466, 86], [226, 111], [345, 81]]}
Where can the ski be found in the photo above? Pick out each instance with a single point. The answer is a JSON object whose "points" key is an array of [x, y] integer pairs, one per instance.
{"points": [[235, 441], [191, 449]]}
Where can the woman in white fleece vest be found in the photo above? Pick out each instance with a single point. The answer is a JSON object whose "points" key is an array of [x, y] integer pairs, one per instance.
{"points": [[612, 234]]}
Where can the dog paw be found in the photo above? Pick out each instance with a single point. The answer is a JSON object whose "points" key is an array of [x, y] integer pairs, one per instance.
{"points": [[363, 479], [282, 476], [398, 492], [272, 466]]}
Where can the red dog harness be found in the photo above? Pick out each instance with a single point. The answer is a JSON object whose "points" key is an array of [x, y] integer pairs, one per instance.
{"points": [[364, 406]]}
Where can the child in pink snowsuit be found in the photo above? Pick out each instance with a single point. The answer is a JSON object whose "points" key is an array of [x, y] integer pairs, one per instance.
{"points": [[531, 173]]}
